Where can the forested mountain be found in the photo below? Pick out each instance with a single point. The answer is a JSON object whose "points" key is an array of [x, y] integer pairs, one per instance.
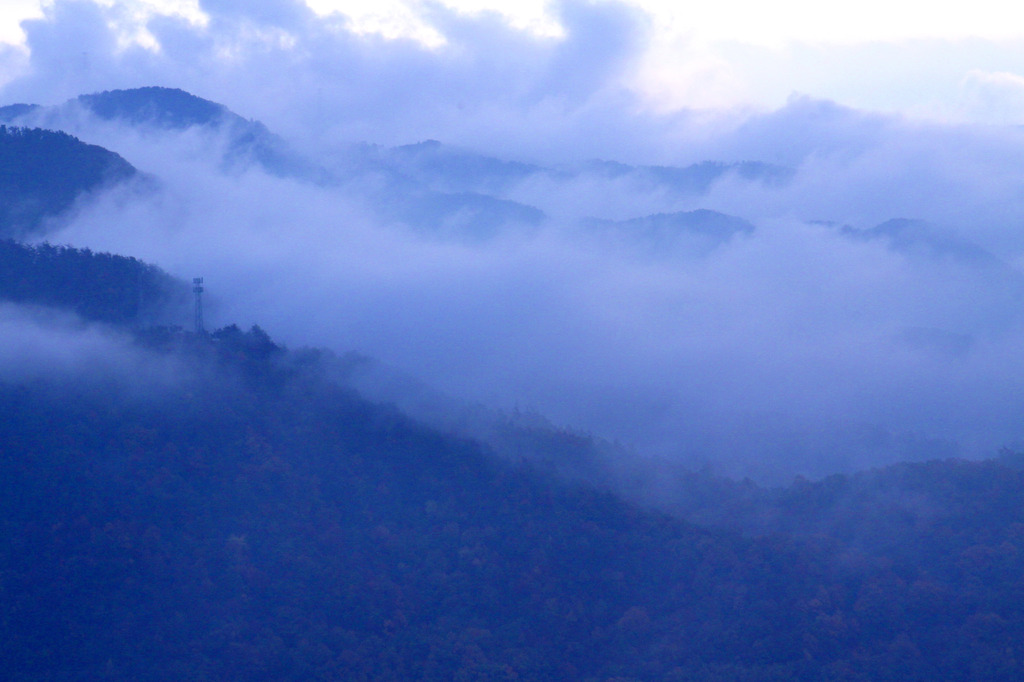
{"points": [[255, 520], [99, 287], [10, 113], [160, 107], [173, 110], [918, 237], [667, 234], [284, 529], [43, 173]]}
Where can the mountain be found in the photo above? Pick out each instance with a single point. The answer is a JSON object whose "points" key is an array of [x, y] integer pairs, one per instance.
{"points": [[917, 237], [260, 523], [434, 188], [98, 287], [696, 178], [217, 506], [991, 287], [452, 190], [452, 169], [466, 216], [43, 173], [254, 519], [412, 180], [159, 109], [12, 112], [663, 234]]}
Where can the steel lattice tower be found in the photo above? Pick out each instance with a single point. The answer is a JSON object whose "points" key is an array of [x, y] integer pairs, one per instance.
{"points": [[197, 289]]}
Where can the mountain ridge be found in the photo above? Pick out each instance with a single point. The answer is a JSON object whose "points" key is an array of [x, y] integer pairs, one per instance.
{"points": [[43, 173]]}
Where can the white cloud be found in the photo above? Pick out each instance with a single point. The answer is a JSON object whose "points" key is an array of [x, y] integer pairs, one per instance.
{"points": [[993, 97], [16, 11]]}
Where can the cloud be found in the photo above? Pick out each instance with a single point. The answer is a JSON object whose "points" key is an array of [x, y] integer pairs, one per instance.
{"points": [[307, 75], [790, 348], [811, 343], [996, 97], [42, 346]]}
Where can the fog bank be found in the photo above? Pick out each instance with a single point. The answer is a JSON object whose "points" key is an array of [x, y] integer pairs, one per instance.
{"points": [[869, 312]]}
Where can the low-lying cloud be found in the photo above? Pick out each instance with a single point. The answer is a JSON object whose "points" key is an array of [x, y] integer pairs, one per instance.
{"points": [[825, 338], [46, 347], [798, 346]]}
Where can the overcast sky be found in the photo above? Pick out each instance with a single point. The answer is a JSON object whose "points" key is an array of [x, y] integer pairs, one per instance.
{"points": [[940, 60]]}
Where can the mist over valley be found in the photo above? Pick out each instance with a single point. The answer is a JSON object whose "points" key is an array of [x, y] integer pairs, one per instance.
{"points": [[712, 314]]}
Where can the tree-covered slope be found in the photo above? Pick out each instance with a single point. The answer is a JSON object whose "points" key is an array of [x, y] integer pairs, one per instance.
{"points": [[165, 107], [43, 172], [217, 507], [175, 110], [170, 110], [99, 287], [252, 519], [260, 523]]}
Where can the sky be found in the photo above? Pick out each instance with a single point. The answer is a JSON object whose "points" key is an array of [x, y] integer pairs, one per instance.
{"points": [[824, 337], [937, 60]]}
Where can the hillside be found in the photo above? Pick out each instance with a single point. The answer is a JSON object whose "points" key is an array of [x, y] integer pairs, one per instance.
{"points": [[98, 287], [255, 520], [173, 109], [170, 110], [162, 107], [43, 173], [260, 523]]}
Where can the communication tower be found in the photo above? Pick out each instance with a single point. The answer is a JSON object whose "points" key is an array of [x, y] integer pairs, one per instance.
{"points": [[197, 289]]}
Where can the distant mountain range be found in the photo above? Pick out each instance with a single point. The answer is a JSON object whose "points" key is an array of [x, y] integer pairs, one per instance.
{"points": [[665, 234], [920, 238], [432, 187], [696, 178], [448, 168]]}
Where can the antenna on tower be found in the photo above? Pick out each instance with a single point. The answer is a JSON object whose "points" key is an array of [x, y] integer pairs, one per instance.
{"points": [[197, 289]]}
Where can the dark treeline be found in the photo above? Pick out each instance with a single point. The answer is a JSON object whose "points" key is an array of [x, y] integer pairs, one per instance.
{"points": [[99, 287], [262, 522], [168, 107], [43, 172]]}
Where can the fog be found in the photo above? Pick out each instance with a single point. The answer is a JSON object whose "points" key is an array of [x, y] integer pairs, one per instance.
{"points": [[823, 339], [44, 347]]}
